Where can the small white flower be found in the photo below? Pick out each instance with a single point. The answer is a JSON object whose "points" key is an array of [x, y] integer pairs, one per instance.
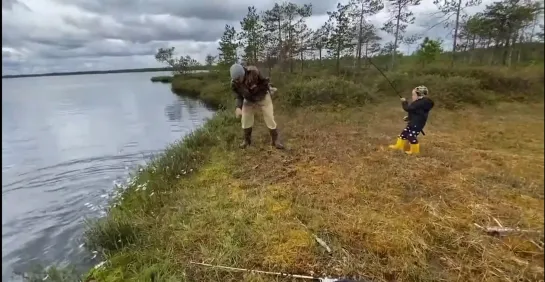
{"points": [[100, 264]]}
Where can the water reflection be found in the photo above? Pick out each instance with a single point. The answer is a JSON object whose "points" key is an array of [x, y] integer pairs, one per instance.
{"points": [[174, 110]]}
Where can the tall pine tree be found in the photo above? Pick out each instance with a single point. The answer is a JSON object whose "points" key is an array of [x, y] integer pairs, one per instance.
{"points": [[228, 47], [397, 24], [252, 36]]}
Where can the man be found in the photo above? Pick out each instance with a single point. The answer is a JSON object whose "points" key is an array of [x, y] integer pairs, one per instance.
{"points": [[253, 92]]}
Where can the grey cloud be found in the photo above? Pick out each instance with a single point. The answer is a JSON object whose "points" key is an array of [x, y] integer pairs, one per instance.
{"points": [[145, 28], [87, 37], [226, 10], [103, 48], [9, 4]]}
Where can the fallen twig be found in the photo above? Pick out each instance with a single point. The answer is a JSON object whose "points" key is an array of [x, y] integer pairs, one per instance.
{"points": [[280, 274], [537, 245], [318, 239], [503, 231]]}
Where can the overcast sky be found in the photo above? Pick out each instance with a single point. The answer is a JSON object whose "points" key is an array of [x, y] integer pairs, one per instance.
{"points": [[72, 35]]}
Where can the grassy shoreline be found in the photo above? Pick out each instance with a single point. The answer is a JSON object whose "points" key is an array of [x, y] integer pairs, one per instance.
{"points": [[386, 217]]}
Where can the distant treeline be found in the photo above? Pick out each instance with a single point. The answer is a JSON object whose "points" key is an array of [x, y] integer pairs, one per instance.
{"points": [[97, 72]]}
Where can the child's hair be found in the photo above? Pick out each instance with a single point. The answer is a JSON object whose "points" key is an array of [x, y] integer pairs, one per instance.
{"points": [[421, 90]]}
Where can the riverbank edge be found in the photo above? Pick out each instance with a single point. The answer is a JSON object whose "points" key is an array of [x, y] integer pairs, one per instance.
{"points": [[197, 149]]}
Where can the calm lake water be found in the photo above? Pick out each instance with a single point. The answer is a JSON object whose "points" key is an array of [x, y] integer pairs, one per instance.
{"points": [[65, 141]]}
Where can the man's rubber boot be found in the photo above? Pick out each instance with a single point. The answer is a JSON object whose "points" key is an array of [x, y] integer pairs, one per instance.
{"points": [[399, 145], [247, 138], [415, 149], [274, 139]]}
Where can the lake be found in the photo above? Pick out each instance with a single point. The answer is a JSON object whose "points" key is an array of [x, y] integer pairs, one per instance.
{"points": [[66, 141]]}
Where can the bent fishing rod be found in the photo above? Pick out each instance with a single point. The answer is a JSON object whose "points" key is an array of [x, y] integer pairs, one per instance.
{"points": [[381, 72], [390, 82]]}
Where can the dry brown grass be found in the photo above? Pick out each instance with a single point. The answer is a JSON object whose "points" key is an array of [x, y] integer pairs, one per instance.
{"points": [[388, 216], [385, 215]]}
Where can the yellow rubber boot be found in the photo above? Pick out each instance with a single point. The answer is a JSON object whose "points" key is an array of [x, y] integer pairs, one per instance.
{"points": [[415, 149], [399, 145]]}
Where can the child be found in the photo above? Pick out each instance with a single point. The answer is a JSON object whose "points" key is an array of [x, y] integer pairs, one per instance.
{"points": [[417, 117]]}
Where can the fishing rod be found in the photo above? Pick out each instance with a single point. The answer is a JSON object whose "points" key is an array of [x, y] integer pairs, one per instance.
{"points": [[390, 82], [381, 72]]}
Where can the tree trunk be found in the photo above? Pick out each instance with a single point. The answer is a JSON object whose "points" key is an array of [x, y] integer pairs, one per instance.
{"points": [[360, 37], [394, 48], [510, 50], [507, 50], [456, 31], [338, 58], [280, 60], [302, 60], [533, 30], [366, 52], [521, 40], [472, 50]]}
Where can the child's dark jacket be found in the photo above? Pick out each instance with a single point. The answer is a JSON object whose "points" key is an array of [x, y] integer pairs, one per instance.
{"points": [[418, 112]]}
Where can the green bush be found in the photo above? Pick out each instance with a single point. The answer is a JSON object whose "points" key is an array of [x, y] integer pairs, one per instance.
{"points": [[212, 92], [187, 86], [455, 91], [402, 81], [163, 79], [111, 234], [217, 94], [507, 84], [326, 90]]}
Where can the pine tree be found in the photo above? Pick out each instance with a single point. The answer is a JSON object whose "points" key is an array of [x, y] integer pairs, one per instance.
{"points": [[363, 9], [454, 7], [341, 32], [429, 51], [397, 25], [252, 36], [228, 47]]}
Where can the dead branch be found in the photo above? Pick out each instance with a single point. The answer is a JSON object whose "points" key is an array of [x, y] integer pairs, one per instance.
{"points": [[504, 231]]}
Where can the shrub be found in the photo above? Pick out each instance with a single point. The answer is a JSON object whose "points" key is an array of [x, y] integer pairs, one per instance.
{"points": [[452, 92], [325, 91], [163, 79], [217, 94], [109, 234], [512, 85], [402, 81], [187, 86]]}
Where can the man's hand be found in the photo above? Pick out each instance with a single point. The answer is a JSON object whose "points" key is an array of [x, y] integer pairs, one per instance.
{"points": [[238, 112], [403, 99]]}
